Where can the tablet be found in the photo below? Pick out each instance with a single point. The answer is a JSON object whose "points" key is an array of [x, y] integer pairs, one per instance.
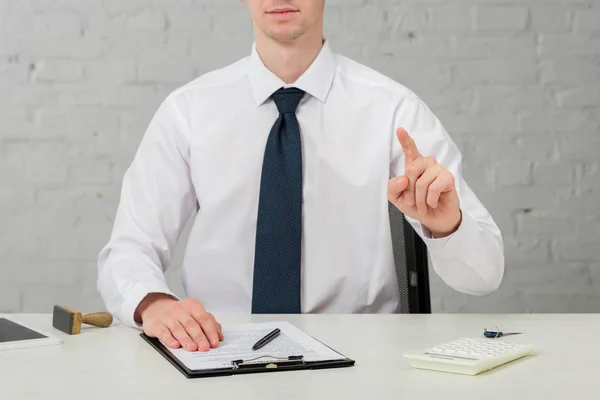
{"points": [[17, 335]]}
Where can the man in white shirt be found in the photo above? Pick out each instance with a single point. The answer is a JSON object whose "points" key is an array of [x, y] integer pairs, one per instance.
{"points": [[288, 158]]}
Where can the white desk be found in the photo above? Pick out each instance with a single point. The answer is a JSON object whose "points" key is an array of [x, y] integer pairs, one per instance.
{"points": [[115, 363]]}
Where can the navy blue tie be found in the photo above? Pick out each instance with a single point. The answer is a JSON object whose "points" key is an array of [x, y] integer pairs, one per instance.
{"points": [[276, 285]]}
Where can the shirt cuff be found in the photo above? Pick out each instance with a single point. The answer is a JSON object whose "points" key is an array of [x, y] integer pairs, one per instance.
{"points": [[453, 244], [136, 295]]}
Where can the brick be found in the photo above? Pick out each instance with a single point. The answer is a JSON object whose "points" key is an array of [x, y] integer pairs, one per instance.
{"points": [[513, 173], [559, 303], [80, 125], [569, 45], [557, 276], [33, 163], [535, 147], [494, 96], [366, 19], [103, 26], [451, 18], [126, 95], [95, 172], [469, 72], [146, 19], [550, 18], [10, 46], [44, 5], [135, 125], [70, 46], [518, 47], [588, 19], [75, 203], [523, 252], [195, 22], [58, 70], [568, 72], [550, 226], [53, 273], [585, 148], [97, 142], [16, 197], [10, 300], [414, 74], [478, 175], [585, 201], [12, 71], [16, 122], [41, 298], [117, 7], [580, 97], [33, 95], [238, 46], [446, 98], [540, 121], [52, 23], [238, 19], [420, 47], [524, 202], [136, 44], [589, 176], [405, 19], [165, 70], [505, 18], [109, 71], [483, 124], [500, 303], [553, 173], [177, 5]]}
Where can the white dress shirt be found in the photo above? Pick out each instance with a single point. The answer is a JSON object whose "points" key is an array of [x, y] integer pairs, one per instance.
{"points": [[202, 154]]}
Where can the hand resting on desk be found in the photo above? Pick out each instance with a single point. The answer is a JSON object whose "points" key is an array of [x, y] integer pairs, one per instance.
{"points": [[179, 323]]}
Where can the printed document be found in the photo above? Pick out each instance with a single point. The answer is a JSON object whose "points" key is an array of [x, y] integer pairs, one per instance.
{"points": [[239, 340]]}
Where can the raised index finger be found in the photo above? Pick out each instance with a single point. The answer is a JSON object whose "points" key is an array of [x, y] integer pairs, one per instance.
{"points": [[409, 147]]}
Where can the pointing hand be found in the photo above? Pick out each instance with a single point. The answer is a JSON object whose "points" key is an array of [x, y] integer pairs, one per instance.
{"points": [[426, 192]]}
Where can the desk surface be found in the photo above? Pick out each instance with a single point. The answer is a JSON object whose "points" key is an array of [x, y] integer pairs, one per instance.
{"points": [[116, 363]]}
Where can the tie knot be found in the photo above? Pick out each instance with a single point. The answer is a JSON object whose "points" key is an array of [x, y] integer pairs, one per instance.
{"points": [[287, 100]]}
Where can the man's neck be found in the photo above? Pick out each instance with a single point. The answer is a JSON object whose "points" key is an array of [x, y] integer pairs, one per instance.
{"points": [[288, 61]]}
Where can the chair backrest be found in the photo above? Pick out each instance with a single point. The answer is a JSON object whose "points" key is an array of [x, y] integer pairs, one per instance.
{"points": [[410, 258]]}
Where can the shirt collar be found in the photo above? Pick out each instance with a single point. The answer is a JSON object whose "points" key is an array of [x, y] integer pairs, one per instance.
{"points": [[316, 80]]}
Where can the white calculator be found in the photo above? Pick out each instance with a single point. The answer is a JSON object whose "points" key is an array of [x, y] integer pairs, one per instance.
{"points": [[468, 356]]}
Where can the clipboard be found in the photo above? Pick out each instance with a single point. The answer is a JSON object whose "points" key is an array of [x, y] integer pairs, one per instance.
{"points": [[254, 365]]}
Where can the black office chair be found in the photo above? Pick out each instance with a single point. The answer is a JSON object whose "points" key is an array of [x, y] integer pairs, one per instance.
{"points": [[410, 257]]}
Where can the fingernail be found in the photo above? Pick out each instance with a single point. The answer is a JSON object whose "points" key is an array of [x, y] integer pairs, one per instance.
{"points": [[203, 343]]}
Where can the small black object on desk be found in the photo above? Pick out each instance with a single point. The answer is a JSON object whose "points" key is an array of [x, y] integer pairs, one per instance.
{"points": [[270, 336]]}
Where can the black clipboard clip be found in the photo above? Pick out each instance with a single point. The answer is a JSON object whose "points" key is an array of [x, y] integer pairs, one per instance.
{"points": [[272, 363]]}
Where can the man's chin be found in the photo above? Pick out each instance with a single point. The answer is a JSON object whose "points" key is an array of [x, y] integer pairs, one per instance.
{"points": [[287, 36]]}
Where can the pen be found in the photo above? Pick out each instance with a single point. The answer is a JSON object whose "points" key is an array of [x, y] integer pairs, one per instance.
{"points": [[270, 336]]}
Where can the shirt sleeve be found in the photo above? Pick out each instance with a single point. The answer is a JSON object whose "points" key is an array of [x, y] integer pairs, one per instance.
{"points": [[470, 260], [157, 199]]}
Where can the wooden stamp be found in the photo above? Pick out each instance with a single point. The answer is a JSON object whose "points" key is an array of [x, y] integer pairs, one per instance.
{"points": [[69, 320]]}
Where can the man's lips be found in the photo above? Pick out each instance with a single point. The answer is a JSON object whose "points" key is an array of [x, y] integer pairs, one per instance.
{"points": [[282, 11]]}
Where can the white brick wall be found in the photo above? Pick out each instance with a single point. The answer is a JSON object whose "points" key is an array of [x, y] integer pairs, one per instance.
{"points": [[516, 82]]}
